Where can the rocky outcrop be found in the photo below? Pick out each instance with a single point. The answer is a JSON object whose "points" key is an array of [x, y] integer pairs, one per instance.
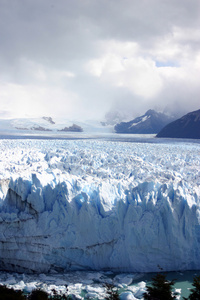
{"points": [[40, 128], [48, 119], [73, 128]]}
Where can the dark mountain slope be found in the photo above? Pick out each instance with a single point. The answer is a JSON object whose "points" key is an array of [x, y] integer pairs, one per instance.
{"points": [[186, 127], [150, 122]]}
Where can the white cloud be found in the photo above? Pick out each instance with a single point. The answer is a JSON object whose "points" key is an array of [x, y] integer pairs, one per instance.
{"points": [[33, 101], [80, 58], [121, 65]]}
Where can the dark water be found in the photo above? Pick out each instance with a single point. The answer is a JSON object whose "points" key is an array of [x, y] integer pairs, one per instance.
{"points": [[183, 280]]}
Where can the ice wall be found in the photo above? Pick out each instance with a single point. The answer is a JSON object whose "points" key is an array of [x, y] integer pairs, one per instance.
{"points": [[101, 207]]}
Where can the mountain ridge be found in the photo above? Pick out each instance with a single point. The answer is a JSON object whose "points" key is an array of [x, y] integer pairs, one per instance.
{"points": [[187, 126], [149, 123]]}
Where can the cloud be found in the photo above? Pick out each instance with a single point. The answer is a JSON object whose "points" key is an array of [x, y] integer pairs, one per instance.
{"points": [[122, 66], [81, 59]]}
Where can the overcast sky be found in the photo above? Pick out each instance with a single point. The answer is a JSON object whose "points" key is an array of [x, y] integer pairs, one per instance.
{"points": [[80, 59]]}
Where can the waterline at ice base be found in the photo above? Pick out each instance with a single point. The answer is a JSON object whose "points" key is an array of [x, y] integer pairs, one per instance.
{"points": [[99, 205]]}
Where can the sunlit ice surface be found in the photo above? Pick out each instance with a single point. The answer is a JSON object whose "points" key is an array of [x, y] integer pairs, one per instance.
{"points": [[101, 205]]}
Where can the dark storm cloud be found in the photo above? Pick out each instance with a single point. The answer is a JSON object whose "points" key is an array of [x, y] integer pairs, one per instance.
{"points": [[52, 31], [41, 31]]}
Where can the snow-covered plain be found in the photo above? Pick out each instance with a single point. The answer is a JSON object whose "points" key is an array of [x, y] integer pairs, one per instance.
{"points": [[99, 205]]}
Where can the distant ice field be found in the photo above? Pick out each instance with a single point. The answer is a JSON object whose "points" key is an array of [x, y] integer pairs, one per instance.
{"points": [[95, 204], [101, 160]]}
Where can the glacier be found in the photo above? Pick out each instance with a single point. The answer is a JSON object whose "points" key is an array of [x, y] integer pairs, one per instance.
{"points": [[99, 205]]}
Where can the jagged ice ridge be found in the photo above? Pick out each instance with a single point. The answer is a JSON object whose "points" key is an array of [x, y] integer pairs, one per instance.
{"points": [[99, 205]]}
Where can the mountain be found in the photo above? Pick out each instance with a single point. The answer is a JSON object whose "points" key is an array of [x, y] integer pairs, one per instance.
{"points": [[186, 127], [150, 122]]}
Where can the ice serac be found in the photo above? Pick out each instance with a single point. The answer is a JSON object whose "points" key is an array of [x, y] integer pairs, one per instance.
{"points": [[42, 228], [87, 220]]}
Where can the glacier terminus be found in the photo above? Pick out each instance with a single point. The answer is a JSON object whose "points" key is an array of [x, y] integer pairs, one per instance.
{"points": [[99, 205]]}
